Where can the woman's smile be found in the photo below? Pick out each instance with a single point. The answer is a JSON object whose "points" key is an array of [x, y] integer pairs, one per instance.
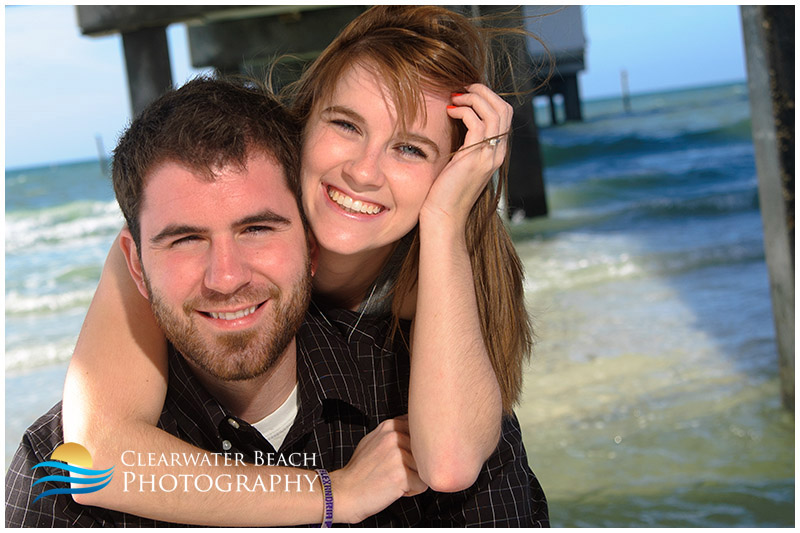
{"points": [[352, 206]]}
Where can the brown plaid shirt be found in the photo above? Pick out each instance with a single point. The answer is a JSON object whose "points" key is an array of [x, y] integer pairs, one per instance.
{"points": [[348, 383]]}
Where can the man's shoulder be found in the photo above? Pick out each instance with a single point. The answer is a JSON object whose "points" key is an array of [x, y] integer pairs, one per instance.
{"points": [[341, 322], [508, 482], [351, 357], [27, 505], [43, 436], [38, 443], [341, 329]]}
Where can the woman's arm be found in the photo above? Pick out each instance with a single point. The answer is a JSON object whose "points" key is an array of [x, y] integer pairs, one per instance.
{"points": [[114, 395], [455, 406], [117, 378]]}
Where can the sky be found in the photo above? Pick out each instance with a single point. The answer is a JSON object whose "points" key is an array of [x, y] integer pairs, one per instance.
{"points": [[63, 90]]}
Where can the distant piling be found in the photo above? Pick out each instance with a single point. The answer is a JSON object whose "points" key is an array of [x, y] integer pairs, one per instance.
{"points": [[101, 155], [626, 96], [769, 47]]}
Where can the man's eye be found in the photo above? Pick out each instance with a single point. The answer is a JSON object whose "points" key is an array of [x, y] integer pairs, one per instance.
{"points": [[344, 125], [258, 229], [185, 240]]}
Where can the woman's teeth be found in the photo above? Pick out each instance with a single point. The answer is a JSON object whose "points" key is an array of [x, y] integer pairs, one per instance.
{"points": [[234, 316], [353, 206]]}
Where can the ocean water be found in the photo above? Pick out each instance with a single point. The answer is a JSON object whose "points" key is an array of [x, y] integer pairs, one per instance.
{"points": [[652, 397]]}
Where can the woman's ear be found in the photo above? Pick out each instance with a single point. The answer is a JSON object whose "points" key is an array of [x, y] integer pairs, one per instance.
{"points": [[131, 253]]}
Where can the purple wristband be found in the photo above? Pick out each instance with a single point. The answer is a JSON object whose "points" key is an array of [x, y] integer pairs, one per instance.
{"points": [[327, 495]]}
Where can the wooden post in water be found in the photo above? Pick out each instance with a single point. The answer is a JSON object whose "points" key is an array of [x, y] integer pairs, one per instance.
{"points": [[769, 47], [626, 97]]}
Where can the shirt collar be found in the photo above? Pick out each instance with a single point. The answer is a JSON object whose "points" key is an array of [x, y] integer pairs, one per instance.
{"points": [[190, 396], [327, 369]]}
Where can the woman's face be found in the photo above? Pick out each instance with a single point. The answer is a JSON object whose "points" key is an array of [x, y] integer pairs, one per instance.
{"points": [[364, 181]]}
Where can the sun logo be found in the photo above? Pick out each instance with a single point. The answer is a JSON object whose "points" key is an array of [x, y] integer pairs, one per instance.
{"points": [[78, 461]]}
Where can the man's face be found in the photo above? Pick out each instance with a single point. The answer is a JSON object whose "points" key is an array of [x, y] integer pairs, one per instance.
{"points": [[225, 264]]}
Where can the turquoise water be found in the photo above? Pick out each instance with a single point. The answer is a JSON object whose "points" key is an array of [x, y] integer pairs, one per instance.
{"points": [[652, 396], [652, 399]]}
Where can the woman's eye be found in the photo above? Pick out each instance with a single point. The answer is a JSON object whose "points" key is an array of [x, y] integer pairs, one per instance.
{"points": [[411, 150]]}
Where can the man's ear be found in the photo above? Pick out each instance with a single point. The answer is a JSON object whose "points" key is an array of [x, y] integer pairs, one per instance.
{"points": [[313, 252], [130, 251]]}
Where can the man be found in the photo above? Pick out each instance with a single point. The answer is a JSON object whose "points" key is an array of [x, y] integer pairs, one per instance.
{"points": [[206, 178]]}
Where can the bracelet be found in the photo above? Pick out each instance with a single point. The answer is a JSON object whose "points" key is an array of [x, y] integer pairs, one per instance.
{"points": [[327, 494]]}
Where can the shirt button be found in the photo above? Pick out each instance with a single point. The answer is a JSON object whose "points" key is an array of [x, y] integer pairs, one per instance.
{"points": [[226, 445], [233, 423]]}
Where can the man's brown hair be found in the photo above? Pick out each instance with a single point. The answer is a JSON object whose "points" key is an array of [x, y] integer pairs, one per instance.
{"points": [[207, 124]]}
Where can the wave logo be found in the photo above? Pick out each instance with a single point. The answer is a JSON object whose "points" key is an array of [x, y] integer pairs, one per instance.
{"points": [[78, 461]]}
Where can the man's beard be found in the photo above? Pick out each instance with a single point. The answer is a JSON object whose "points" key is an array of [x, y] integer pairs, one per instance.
{"points": [[236, 355]]}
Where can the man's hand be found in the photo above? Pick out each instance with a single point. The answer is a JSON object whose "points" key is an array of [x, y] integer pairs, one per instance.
{"points": [[381, 470]]}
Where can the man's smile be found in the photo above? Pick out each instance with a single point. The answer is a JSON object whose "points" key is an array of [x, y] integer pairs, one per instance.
{"points": [[236, 318]]}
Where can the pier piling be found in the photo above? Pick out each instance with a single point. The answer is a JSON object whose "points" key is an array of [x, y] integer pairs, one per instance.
{"points": [[769, 47]]}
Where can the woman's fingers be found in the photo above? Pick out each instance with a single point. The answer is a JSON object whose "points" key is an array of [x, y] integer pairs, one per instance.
{"points": [[486, 116], [477, 138], [493, 111]]}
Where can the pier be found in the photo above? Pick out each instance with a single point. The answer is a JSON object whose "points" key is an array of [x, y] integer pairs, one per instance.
{"points": [[246, 39]]}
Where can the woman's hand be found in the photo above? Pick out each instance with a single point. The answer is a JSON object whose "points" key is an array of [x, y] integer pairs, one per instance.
{"points": [[486, 116], [381, 470]]}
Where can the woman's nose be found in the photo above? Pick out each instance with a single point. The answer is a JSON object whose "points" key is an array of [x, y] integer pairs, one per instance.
{"points": [[363, 169]]}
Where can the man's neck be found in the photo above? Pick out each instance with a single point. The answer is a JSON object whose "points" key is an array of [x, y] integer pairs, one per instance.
{"points": [[253, 399]]}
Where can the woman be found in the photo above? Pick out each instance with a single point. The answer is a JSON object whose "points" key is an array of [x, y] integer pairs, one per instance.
{"points": [[401, 141]]}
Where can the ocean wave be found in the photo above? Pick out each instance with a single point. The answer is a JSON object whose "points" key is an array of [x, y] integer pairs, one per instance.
{"points": [[591, 264], [711, 204], [62, 223], [18, 304], [558, 150], [577, 272], [650, 202], [19, 179], [653, 180], [41, 355]]}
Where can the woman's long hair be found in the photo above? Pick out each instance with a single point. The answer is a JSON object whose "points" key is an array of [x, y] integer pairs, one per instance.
{"points": [[417, 48]]}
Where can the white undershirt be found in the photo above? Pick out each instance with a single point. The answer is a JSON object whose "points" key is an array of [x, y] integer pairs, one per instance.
{"points": [[275, 426]]}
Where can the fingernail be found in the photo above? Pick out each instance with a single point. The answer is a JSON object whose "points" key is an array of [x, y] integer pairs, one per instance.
{"points": [[456, 94], [451, 107]]}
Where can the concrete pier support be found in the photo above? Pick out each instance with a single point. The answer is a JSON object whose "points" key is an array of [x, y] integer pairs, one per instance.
{"points": [[572, 98], [769, 47], [526, 192], [553, 113], [147, 65]]}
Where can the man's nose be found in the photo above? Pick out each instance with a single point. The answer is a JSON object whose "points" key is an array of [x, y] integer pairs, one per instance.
{"points": [[227, 270], [364, 168]]}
